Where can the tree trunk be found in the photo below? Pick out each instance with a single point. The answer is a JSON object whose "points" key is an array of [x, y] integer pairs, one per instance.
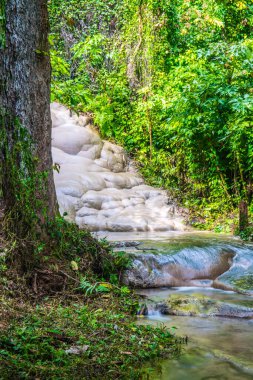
{"points": [[25, 101], [243, 215]]}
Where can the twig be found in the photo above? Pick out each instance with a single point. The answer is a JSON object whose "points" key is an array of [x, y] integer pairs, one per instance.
{"points": [[35, 288], [67, 275]]}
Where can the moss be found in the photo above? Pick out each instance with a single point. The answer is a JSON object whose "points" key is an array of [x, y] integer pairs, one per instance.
{"points": [[244, 283], [23, 188], [2, 23], [190, 305]]}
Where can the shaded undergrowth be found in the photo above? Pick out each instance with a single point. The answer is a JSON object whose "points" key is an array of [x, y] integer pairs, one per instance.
{"points": [[69, 317], [102, 332]]}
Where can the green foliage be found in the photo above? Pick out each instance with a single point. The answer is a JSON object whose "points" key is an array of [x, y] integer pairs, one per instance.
{"points": [[115, 263], [102, 287], [244, 283], [67, 241], [25, 182], [2, 23], [246, 234], [3, 266], [172, 82], [98, 287], [35, 346]]}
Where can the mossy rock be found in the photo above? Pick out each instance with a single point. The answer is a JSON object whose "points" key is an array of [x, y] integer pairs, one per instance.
{"points": [[189, 305], [244, 283], [201, 306]]}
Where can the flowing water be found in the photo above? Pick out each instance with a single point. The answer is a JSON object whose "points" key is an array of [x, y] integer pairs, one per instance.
{"points": [[99, 189], [218, 348]]}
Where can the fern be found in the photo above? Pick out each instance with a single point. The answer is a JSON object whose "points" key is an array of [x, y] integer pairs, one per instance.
{"points": [[98, 287], [87, 286]]}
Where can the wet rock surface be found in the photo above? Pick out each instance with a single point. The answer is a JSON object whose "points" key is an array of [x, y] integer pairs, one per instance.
{"points": [[224, 266], [98, 187], [239, 277], [218, 323], [202, 307], [191, 266], [218, 348], [125, 244]]}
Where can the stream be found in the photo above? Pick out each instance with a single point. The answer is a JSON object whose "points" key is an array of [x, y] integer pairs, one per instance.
{"points": [[218, 347], [189, 280]]}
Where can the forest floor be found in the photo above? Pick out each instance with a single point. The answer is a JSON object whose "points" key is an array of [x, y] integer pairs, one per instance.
{"points": [[67, 334]]}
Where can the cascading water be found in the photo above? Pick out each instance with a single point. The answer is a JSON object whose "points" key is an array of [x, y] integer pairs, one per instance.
{"points": [[218, 347], [98, 187], [203, 262]]}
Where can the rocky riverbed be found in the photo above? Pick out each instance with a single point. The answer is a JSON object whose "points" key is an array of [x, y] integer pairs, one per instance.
{"points": [[192, 259], [200, 306], [99, 188], [218, 347]]}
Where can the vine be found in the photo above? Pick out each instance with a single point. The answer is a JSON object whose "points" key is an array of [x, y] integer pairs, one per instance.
{"points": [[22, 185], [2, 23]]}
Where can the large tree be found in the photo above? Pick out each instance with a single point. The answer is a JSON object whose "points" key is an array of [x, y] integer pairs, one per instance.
{"points": [[26, 162]]}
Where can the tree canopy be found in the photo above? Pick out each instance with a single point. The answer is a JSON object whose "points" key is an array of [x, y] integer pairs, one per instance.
{"points": [[171, 81]]}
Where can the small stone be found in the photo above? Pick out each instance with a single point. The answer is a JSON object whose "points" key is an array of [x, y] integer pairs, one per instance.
{"points": [[77, 350]]}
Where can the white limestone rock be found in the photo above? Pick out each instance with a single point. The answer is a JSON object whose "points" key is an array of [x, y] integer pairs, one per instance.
{"points": [[92, 223], [114, 156], [92, 152], [86, 211], [68, 205], [98, 187], [70, 187]]}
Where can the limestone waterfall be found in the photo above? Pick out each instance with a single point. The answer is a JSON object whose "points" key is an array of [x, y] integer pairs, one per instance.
{"points": [[98, 187]]}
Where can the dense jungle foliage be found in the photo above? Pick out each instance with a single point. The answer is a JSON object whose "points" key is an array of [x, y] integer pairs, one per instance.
{"points": [[64, 313], [172, 81]]}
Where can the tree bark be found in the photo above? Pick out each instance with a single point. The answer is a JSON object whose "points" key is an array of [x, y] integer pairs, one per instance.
{"points": [[243, 215], [25, 93]]}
